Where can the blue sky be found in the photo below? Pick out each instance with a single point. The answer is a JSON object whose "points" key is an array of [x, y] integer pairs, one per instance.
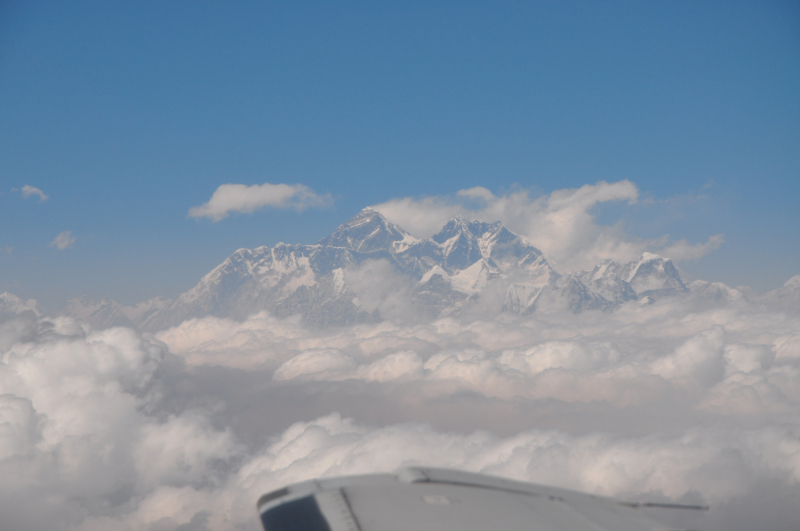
{"points": [[128, 114]]}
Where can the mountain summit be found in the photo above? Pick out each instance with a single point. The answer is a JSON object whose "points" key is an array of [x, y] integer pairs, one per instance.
{"points": [[443, 274], [369, 231]]}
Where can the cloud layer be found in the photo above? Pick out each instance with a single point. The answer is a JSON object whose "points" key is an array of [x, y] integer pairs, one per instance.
{"points": [[561, 224], [242, 198], [686, 353], [687, 399], [114, 430]]}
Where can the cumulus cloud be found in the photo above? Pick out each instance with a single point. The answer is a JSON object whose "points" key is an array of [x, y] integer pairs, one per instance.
{"points": [[561, 224], [670, 353], [242, 198], [75, 435], [682, 399], [64, 240], [679, 400], [28, 191]]}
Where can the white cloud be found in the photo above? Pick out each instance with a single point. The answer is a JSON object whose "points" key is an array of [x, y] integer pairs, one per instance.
{"points": [[678, 352], [242, 198], [689, 398], [683, 250], [75, 431], [677, 400], [28, 191], [679, 363], [379, 287], [313, 364], [64, 240], [561, 224]]}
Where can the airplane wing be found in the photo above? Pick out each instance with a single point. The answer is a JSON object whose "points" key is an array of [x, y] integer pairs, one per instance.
{"points": [[431, 499]]}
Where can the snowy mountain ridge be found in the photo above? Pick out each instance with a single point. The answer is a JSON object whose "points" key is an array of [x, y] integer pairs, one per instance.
{"points": [[448, 272]]}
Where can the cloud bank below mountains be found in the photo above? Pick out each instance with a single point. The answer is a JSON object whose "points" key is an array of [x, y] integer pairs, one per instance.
{"points": [[685, 399], [561, 224], [246, 199]]}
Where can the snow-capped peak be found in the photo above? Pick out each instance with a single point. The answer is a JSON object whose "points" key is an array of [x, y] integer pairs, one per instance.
{"points": [[369, 231], [653, 273]]}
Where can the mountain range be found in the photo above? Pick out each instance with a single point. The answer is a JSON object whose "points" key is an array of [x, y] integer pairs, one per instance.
{"points": [[464, 264], [446, 272]]}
